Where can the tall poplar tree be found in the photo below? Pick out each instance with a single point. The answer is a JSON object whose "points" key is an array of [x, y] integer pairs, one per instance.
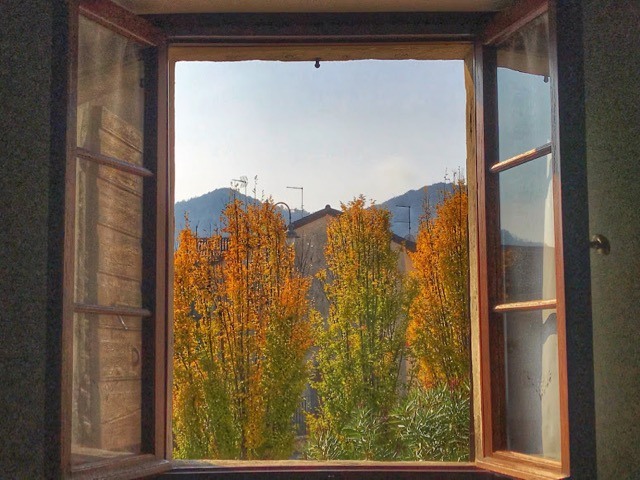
{"points": [[361, 346], [439, 326], [242, 329]]}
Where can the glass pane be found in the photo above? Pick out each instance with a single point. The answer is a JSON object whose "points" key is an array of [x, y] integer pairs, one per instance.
{"points": [[532, 388], [108, 236], [107, 399], [524, 90], [110, 95], [527, 231]]}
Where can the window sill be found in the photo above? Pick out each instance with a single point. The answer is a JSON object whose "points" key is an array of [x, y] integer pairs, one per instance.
{"points": [[518, 466], [139, 466], [334, 470]]}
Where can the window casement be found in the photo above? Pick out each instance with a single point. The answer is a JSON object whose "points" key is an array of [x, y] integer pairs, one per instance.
{"points": [[522, 338], [116, 379], [114, 328]]}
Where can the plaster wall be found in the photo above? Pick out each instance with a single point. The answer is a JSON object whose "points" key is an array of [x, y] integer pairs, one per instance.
{"points": [[25, 144], [310, 259], [612, 63]]}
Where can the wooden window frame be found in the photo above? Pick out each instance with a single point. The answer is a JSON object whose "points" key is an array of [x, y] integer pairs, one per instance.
{"points": [[337, 37], [491, 339], [282, 29], [427, 49], [153, 457]]}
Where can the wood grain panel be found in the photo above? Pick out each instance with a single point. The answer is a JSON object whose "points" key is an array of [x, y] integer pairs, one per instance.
{"points": [[122, 433], [120, 399], [118, 291], [124, 180], [119, 209], [119, 254], [113, 126], [120, 351], [119, 383], [114, 147]]}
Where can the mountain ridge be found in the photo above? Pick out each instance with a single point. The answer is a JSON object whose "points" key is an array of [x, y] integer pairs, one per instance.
{"points": [[204, 211]]}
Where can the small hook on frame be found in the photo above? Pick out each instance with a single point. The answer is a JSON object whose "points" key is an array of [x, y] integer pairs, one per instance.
{"points": [[600, 244]]}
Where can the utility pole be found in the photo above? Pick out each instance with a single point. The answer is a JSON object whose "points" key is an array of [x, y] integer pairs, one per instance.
{"points": [[408, 221], [301, 199]]}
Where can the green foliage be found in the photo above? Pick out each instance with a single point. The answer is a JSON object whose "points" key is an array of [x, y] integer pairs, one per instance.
{"points": [[367, 436], [434, 424], [361, 346], [428, 424]]}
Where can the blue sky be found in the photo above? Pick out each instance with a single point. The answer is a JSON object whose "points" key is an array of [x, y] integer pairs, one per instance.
{"points": [[373, 127]]}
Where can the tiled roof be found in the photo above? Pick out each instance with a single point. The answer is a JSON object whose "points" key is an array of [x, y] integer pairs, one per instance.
{"points": [[312, 217]]}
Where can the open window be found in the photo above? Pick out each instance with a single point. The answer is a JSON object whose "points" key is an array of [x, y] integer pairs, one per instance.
{"points": [[117, 245]]}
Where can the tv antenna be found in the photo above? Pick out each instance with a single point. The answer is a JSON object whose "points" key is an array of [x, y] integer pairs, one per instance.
{"points": [[242, 181]]}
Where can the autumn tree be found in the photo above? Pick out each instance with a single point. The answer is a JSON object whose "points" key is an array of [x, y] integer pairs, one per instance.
{"points": [[361, 344], [192, 431], [242, 332], [438, 331]]}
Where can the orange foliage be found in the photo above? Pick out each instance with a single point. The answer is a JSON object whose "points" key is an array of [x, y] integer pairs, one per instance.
{"points": [[438, 330], [242, 332]]}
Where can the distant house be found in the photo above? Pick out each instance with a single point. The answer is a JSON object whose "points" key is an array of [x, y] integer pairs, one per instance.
{"points": [[310, 245]]}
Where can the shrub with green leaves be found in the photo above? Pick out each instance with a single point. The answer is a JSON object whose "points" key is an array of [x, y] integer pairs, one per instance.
{"points": [[366, 436], [428, 424], [434, 424]]}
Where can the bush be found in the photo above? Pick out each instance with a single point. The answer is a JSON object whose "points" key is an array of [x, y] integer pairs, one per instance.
{"points": [[366, 436], [434, 424], [428, 424]]}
